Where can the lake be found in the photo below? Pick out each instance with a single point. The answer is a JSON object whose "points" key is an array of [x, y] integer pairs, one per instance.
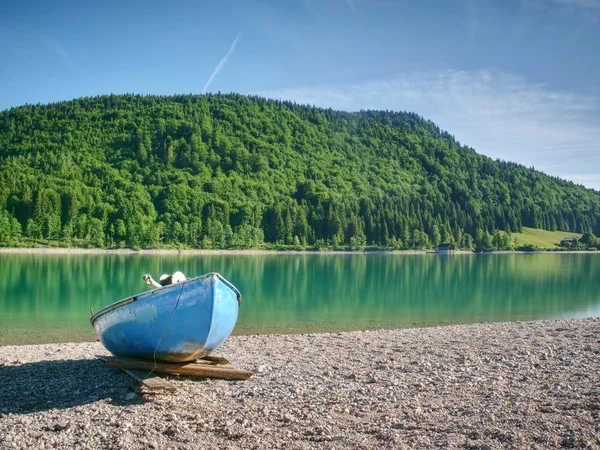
{"points": [[47, 298]]}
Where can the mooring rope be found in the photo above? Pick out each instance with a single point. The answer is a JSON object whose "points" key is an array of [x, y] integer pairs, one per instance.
{"points": [[165, 330]]}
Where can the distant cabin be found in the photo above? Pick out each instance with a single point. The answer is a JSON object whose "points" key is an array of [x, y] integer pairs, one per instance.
{"points": [[446, 247]]}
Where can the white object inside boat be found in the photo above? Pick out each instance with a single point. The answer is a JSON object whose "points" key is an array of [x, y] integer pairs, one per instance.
{"points": [[164, 279]]}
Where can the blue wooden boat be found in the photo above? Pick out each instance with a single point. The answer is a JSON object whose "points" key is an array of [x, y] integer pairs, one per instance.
{"points": [[174, 323]]}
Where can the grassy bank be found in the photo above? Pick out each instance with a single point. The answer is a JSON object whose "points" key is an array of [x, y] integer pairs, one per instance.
{"points": [[541, 238]]}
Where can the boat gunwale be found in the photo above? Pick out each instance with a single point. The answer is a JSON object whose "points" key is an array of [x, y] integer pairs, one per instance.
{"points": [[136, 297]]}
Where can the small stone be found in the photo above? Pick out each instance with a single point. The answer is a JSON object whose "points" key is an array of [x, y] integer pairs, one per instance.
{"points": [[170, 431], [58, 426], [260, 369], [130, 396]]}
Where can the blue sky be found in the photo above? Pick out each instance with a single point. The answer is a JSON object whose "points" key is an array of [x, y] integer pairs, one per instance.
{"points": [[517, 80]]}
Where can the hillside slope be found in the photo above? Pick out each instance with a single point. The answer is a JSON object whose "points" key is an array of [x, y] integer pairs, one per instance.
{"points": [[227, 171]]}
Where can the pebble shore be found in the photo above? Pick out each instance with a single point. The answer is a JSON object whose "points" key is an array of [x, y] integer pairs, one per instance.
{"points": [[484, 386]]}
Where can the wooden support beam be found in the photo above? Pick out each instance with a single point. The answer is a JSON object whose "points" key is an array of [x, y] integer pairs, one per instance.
{"points": [[189, 369], [215, 359], [149, 381]]}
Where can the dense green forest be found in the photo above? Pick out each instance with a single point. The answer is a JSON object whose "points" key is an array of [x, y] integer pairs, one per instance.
{"points": [[231, 171]]}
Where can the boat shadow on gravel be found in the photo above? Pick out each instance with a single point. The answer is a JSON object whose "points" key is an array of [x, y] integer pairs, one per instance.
{"points": [[45, 385]]}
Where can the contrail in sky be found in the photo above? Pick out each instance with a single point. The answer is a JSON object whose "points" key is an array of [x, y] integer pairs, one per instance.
{"points": [[221, 63]]}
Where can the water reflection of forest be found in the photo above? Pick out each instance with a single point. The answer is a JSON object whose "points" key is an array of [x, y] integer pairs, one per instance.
{"points": [[313, 292]]}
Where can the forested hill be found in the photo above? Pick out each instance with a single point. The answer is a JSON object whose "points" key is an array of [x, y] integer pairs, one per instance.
{"points": [[229, 171]]}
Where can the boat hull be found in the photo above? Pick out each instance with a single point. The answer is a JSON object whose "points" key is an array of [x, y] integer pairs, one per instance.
{"points": [[175, 323]]}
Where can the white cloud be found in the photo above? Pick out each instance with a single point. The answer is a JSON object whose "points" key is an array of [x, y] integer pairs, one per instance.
{"points": [[585, 179], [498, 114], [221, 63]]}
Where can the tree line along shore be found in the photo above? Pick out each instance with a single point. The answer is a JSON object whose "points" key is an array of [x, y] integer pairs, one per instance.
{"points": [[239, 172]]}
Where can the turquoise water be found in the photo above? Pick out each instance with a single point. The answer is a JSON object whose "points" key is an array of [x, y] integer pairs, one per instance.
{"points": [[47, 298]]}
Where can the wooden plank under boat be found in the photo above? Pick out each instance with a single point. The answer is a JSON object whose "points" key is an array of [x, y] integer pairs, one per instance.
{"points": [[175, 323], [187, 368]]}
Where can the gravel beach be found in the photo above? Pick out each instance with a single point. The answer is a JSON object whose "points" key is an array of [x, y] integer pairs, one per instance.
{"points": [[485, 386]]}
